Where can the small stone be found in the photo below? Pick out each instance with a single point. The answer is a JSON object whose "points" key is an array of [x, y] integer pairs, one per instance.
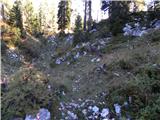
{"points": [[117, 108], [105, 112], [95, 109], [84, 111], [72, 115], [116, 74], [30, 117], [93, 60], [58, 61], [44, 114], [98, 59], [130, 99]]}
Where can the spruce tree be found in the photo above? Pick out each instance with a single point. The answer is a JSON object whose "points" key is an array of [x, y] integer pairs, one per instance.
{"points": [[30, 16], [42, 17], [64, 13], [118, 14], [15, 16], [78, 24], [78, 30], [89, 15], [85, 16]]}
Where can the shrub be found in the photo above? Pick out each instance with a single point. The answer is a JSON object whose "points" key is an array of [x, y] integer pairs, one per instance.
{"points": [[153, 36], [116, 27], [103, 32], [27, 93], [80, 37], [14, 35], [151, 112], [144, 91], [125, 65]]}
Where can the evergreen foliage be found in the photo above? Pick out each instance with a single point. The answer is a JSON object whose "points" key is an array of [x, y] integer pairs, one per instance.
{"points": [[118, 14], [77, 30], [64, 13], [32, 22], [78, 24], [15, 16]]}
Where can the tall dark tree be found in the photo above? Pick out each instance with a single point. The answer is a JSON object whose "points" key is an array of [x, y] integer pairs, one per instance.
{"points": [[78, 24], [78, 31], [64, 13], [89, 15], [118, 14], [15, 16], [85, 16]]}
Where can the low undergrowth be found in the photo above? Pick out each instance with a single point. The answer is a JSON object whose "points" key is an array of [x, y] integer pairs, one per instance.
{"points": [[27, 93], [144, 91]]}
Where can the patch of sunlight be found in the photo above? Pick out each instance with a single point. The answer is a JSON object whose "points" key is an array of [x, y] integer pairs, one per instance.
{"points": [[11, 47]]}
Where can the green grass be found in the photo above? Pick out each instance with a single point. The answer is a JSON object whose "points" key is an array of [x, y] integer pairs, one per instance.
{"points": [[27, 93]]}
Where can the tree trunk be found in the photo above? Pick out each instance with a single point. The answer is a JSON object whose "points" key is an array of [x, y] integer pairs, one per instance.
{"points": [[85, 17], [90, 16]]}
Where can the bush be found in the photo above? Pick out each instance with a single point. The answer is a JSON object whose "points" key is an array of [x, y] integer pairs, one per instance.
{"points": [[17, 35], [151, 112], [27, 93], [116, 27], [102, 28], [153, 36], [104, 32], [125, 65], [80, 37], [144, 91], [12, 36]]}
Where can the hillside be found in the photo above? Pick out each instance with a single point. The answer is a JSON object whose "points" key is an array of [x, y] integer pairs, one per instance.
{"points": [[119, 79]]}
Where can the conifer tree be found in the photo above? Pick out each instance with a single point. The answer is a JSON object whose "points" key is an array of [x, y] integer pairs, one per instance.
{"points": [[78, 31], [30, 16], [118, 14], [64, 13], [89, 15], [15, 16], [41, 17], [85, 16], [78, 24]]}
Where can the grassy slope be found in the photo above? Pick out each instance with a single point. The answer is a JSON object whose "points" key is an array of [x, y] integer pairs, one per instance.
{"points": [[121, 57]]}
